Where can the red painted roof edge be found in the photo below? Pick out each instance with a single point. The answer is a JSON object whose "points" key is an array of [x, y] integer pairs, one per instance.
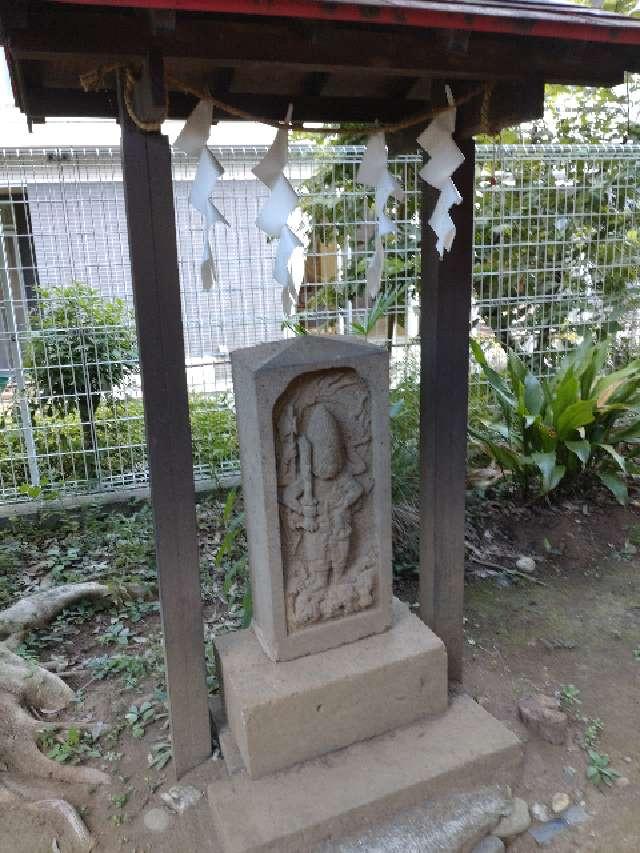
{"points": [[611, 29]]}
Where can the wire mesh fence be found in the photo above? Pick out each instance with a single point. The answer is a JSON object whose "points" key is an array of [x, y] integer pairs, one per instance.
{"points": [[557, 249]]}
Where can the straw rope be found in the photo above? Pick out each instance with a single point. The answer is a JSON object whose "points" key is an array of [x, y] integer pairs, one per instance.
{"points": [[93, 80]]}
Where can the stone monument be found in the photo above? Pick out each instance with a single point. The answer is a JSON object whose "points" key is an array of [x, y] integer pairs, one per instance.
{"points": [[317, 498], [335, 701]]}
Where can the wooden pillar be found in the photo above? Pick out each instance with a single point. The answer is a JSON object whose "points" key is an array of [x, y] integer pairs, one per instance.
{"points": [[445, 301], [146, 161]]}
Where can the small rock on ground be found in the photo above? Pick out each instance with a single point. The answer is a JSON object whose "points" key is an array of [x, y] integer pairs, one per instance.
{"points": [[560, 802], [526, 564], [544, 833], [540, 812], [456, 823], [181, 797], [516, 823], [490, 844], [157, 820], [542, 715]]}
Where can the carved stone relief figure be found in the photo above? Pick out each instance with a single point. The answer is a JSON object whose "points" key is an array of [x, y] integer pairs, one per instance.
{"points": [[323, 447]]}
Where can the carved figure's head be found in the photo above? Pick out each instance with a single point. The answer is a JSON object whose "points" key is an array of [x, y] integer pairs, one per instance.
{"points": [[324, 436]]}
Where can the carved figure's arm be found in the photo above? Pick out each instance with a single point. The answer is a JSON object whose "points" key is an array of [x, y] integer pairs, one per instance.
{"points": [[291, 494]]}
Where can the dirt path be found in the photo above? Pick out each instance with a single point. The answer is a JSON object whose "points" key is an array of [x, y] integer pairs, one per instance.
{"points": [[580, 629]]}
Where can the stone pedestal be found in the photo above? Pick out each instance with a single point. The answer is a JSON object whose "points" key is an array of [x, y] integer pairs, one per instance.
{"points": [[286, 712], [335, 704], [327, 798]]}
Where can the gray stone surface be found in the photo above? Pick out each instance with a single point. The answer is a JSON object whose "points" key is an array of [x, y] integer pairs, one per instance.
{"points": [[313, 425], [544, 833], [490, 844], [575, 815], [559, 802], [540, 812], [450, 825], [157, 820], [281, 713], [542, 715], [515, 823], [348, 790], [181, 797]]}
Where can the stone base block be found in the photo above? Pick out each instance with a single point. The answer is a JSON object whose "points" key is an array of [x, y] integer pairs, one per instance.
{"points": [[286, 712], [369, 782]]}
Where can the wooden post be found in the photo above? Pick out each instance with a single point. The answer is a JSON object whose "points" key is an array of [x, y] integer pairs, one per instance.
{"points": [[445, 301], [146, 161]]}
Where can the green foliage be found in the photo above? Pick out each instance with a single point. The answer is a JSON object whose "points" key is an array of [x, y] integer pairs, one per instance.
{"points": [[592, 732], [598, 770], [334, 218], [231, 557], [579, 421], [116, 634], [131, 668], [81, 344], [383, 303], [72, 748], [138, 717], [405, 430], [160, 754], [569, 697], [119, 442]]}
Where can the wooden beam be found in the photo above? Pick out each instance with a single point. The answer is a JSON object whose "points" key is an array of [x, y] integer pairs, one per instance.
{"points": [[226, 40], [510, 103], [70, 102], [146, 162], [445, 301]]}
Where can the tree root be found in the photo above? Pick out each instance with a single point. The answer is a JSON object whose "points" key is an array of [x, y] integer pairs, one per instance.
{"points": [[24, 685], [39, 609]]}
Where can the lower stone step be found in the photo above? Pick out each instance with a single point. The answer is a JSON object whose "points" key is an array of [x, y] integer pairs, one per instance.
{"points": [[294, 810]]}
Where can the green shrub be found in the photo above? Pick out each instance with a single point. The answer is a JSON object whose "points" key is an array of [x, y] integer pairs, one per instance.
{"points": [[82, 346], [120, 441], [551, 431], [405, 430]]}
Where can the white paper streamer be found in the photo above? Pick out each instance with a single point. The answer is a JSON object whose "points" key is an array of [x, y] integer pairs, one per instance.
{"points": [[373, 171], [444, 158], [273, 218], [193, 140], [195, 133]]}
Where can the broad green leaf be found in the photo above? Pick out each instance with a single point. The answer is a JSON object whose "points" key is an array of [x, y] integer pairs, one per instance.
{"points": [[533, 394], [615, 484], [565, 394], [517, 371], [551, 473], [582, 449], [574, 416], [506, 458], [506, 399], [617, 457], [228, 505]]}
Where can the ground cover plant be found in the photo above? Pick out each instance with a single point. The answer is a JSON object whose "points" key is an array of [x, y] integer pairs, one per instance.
{"points": [[583, 421], [79, 608]]}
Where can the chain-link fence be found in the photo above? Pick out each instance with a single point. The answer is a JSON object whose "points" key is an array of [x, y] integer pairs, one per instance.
{"points": [[557, 249]]}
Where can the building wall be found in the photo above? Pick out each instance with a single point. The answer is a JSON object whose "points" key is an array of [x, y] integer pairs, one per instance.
{"points": [[79, 234]]}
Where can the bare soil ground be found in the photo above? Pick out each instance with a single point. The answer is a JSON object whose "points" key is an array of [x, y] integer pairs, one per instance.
{"points": [[579, 626]]}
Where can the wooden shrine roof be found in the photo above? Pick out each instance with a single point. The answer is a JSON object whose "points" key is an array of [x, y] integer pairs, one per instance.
{"points": [[338, 61]]}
